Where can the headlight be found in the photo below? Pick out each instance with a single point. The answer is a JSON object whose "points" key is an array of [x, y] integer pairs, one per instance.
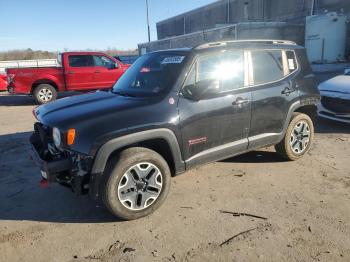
{"points": [[56, 135]]}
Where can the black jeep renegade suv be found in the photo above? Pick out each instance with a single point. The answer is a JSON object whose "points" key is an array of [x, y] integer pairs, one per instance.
{"points": [[174, 110]]}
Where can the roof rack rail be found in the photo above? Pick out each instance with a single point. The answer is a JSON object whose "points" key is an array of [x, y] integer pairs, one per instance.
{"points": [[258, 41]]}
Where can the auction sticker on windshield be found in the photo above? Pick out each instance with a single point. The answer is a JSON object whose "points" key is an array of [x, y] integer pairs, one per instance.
{"points": [[173, 60]]}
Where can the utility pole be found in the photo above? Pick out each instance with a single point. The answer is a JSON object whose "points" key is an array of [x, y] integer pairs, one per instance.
{"points": [[149, 33], [313, 7], [228, 11]]}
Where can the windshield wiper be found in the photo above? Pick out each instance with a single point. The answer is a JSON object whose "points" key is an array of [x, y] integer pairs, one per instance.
{"points": [[122, 94]]}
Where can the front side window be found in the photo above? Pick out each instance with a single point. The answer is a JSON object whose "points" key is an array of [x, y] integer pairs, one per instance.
{"points": [[103, 61], [227, 68], [80, 61], [267, 66]]}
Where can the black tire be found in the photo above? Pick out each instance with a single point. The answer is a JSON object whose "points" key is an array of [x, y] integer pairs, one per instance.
{"points": [[112, 179], [44, 93], [285, 147]]}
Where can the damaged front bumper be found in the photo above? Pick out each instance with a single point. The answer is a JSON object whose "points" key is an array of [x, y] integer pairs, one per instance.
{"points": [[68, 168], [334, 106]]}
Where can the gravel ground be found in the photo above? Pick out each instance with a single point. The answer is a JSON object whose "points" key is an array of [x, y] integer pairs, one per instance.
{"points": [[306, 205]]}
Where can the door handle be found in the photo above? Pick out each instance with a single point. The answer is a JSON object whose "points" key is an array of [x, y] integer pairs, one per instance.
{"points": [[71, 72], [287, 91], [240, 101], [97, 71]]}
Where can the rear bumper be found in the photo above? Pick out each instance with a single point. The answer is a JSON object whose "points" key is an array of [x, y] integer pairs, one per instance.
{"points": [[11, 89], [15, 89]]}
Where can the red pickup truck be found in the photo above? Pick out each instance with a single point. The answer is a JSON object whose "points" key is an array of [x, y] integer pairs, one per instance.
{"points": [[78, 71]]}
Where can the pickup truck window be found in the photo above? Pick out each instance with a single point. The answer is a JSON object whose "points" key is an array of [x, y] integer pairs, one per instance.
{"points": [[151, 75], [80, 61], [103, 61], [267, 66]]}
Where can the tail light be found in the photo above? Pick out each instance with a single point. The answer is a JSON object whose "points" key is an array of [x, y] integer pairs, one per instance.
{"points": [[10, 78]]}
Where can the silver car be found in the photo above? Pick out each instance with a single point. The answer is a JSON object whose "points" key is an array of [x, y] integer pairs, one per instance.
{"points": [[335, 98]]}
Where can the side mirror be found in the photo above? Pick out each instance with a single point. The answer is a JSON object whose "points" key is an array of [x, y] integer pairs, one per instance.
{"points": [[347, 72], [114, 66], [202, 90]]}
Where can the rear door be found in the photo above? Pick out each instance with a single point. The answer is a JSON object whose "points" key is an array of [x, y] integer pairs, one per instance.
{"points": [[79, 72], [273, 92], [107, 71], [216, 127]]}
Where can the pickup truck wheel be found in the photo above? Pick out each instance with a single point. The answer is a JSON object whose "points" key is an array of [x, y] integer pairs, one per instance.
{"points": [[44, 93], [137, 183], [298, 138]]}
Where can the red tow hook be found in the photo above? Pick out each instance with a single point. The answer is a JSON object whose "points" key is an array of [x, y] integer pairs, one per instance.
{"points": [[44, 183]]}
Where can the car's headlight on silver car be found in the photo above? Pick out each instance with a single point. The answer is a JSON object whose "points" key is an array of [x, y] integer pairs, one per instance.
{"points": [[56, 136]]}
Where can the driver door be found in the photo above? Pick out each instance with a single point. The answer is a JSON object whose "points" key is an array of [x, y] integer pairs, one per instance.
{"points": [[216, 126], [106, 72]]}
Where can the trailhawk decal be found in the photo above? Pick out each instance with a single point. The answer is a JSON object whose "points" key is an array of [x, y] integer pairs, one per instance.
{"points": [[196, 141], [173, 60]]}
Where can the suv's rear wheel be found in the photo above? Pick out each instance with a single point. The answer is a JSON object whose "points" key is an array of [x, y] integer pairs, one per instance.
{"points": [[137, 184], [44, 93], [298, 137]]}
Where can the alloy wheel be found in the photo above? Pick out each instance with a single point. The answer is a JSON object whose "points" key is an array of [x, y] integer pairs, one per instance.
{"points": [[300, 137], [140, 186]]}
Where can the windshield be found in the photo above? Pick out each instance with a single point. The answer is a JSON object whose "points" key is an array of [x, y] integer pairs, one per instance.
{"points": [[151, 75]]}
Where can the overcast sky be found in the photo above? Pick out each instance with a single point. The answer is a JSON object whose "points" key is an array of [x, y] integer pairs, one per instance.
{"points": [[81, 24]]}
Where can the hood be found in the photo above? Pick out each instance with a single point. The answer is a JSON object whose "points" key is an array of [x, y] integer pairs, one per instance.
{"points": [[339, 84], [70, 111]]}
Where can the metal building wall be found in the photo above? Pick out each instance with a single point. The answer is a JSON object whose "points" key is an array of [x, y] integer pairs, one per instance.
{"points": [[246, 30], [237, 11], [211, 16]]}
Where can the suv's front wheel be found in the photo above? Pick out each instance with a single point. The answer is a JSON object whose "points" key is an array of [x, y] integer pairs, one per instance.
{"points": [[298, 138], [137, 184]]}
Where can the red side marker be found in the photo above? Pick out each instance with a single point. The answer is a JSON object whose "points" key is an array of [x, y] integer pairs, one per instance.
{"points": [[44, 183]]}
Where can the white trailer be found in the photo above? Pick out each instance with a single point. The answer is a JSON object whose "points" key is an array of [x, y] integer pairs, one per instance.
{"points": [[27, 63]]}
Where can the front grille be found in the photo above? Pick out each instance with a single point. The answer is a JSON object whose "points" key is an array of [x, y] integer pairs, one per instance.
{"points": [[43, 132], [335, 116], [336, 105]]}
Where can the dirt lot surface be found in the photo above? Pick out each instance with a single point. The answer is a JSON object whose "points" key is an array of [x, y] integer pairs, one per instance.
{"points": [[306, 203]]}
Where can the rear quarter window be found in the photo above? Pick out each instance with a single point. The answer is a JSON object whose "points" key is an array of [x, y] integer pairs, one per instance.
{"points": [[291, 61]]}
